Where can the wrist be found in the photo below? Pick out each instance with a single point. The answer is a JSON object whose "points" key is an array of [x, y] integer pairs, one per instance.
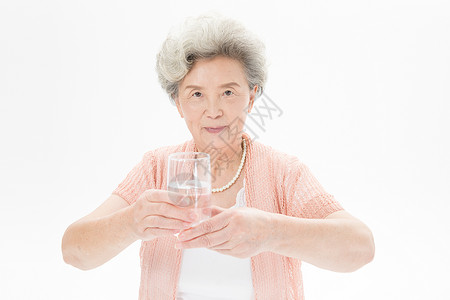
{"points": [[129, 223], [285, 231], [274, 232]]}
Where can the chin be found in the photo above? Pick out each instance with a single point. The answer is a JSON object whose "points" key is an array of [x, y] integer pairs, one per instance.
{"points": [[214, 140]]}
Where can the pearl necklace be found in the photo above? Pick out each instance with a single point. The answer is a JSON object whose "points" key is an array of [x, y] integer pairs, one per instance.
{"points": [[241, 165], [244, 152]]}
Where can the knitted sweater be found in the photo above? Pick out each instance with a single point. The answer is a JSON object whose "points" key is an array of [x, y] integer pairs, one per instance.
{"points": [[275, 182]]}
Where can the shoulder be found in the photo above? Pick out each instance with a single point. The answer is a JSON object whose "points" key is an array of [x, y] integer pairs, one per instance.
{"points": [[278, 159], [286, 169]]}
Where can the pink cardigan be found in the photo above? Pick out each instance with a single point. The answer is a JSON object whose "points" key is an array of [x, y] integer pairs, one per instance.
{"points": [[275, 182]]}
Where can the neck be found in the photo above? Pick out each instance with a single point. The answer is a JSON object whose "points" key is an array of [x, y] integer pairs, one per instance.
{"points": [[225, 160]]}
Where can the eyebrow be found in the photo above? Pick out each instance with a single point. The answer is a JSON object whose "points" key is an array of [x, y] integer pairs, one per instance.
{"points": [[222, 85], [230, 84]]}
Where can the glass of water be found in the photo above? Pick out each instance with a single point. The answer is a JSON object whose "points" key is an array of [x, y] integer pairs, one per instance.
{"points": [[189, 174]]}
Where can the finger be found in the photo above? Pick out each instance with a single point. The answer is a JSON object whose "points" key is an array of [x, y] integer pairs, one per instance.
{"points": [[215, 210], [239, 250], [210, 225], [231, 252], [155, 195], [152, 232], [227, 245], [209, 240], [230, 243], [162, 222], [170, 211]]}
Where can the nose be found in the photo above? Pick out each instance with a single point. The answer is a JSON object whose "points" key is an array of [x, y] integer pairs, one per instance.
{"points": [[213, 108]]}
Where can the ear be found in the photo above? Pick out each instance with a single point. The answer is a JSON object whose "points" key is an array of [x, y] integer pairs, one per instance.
{"points": [[177, 103], [252, 98]]}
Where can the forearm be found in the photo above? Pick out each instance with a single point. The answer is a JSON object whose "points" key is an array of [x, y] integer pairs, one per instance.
{"points": [[90, 243], [341, 245]]}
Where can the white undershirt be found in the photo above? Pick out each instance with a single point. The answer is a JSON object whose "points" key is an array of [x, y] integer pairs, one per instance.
{"points": [[208, 275]]}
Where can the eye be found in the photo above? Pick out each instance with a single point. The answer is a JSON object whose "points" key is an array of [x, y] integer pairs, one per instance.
{"points": [[197, 94], [228, 93]]}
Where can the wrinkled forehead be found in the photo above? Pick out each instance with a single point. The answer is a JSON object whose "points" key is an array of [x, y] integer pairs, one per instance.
{"points": [[215, 72]]}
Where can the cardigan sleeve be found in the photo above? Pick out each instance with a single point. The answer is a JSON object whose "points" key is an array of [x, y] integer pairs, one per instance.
{"points": [[305, 195], [138, 180]]}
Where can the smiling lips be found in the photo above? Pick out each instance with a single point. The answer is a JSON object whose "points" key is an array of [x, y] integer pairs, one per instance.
{"points": [[215, 129]]}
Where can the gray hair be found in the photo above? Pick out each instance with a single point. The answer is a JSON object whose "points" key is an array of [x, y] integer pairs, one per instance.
{"points": [[207, 36]]}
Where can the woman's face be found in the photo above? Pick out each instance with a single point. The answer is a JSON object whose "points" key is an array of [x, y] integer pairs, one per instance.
{"points": [[214, 99]]}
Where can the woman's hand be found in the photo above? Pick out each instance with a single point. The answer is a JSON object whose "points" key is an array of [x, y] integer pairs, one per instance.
{"points": [[240, 232], [155, 214]]}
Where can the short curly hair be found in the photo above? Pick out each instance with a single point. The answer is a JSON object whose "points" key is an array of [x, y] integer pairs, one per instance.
{"points": [[207, 36]]}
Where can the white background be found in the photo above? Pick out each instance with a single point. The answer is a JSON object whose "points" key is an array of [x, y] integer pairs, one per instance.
{"points": [[364, 89]]}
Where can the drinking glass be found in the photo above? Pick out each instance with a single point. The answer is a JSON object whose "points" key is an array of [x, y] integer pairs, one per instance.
{"points": [[189, 174]]}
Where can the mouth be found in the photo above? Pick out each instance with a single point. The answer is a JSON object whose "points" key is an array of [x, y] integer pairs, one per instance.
{"points": [[215, 129]]}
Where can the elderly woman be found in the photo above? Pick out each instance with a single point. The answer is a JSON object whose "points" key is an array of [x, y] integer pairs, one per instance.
{"points": [[269, 211]]}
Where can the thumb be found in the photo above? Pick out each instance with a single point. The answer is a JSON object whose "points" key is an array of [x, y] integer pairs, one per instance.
{"points": [[215, 210]]}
